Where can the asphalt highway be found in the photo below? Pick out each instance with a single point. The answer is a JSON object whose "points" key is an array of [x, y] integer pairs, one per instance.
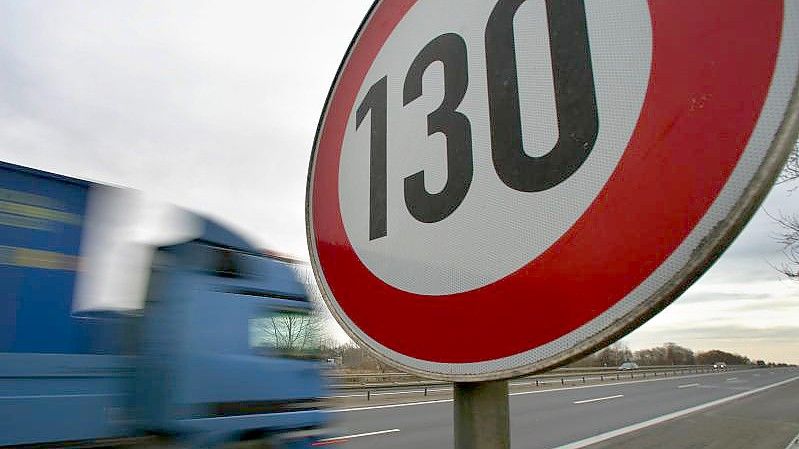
{"points": [[659, 411]]}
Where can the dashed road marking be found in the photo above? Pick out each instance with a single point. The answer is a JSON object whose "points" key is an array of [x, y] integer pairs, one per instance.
{"points": [[519, 393], [586, 401], [644, 424], [343, 438], [377, 407]]}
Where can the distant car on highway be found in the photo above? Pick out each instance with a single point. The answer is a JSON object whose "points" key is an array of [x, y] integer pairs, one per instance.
{"points": [[719, 365], [627, 366]]}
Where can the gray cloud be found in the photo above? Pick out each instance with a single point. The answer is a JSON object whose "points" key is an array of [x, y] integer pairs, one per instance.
{"points": [[730, 333], [790, 306], [213, 106], [720, 296], [775, 344], [209, 105]]}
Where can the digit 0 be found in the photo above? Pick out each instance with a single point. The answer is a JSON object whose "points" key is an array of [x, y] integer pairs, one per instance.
{"points": [[575, 98]]}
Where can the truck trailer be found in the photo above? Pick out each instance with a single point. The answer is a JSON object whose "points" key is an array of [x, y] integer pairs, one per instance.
{"points": [[215, 355]]}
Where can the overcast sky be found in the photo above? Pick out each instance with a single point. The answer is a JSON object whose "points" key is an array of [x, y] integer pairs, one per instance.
{"points": [[213, 106]]}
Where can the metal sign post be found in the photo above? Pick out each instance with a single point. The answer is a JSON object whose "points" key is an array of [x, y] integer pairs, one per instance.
{"points": [[498, 191], [482, 419]]}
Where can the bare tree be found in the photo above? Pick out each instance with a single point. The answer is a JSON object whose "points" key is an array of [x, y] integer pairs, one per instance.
{"points": [[791, 170], [789, 239], [715, 355], [789, 224], [613, 355], [678, 355], [288, 332], [322, 315], [296, 333]]}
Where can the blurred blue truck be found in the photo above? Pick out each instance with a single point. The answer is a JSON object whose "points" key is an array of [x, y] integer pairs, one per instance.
{"points": [[208, 360]]}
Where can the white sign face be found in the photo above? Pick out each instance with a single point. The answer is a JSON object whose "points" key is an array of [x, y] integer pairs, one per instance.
{"points": [[439, 258], [496, 191]]}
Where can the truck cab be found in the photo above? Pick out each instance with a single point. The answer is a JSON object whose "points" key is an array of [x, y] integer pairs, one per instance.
{"points": [[229, 344]]}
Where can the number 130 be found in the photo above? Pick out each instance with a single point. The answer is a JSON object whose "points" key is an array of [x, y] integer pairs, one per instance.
{"points": [[575, 104]]}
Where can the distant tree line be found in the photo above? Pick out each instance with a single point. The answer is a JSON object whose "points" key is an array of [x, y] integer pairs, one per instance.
{"points": [[667, 354], [351, 357]]}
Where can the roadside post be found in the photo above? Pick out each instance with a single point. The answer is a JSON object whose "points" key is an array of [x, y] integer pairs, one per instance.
{"points": [[499, 191]]}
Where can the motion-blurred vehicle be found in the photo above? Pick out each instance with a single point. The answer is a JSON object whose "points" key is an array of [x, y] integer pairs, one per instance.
{"points": [[215, 354], [719, 365], [626, 366]]}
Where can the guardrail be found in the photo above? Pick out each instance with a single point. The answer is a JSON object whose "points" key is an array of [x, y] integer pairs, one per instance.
{"points": [[373, 382]]}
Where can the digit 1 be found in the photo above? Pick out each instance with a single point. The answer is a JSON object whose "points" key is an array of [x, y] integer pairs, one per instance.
{"points": [[375, 102], [450, 50], [575, 98]]}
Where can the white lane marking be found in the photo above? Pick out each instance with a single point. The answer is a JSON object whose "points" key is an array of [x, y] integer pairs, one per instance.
{"points": [[731, 379], [357, 435], [641, 425], [580, 387], [586, 401], [688, 386], [377, 407], [794, 444], [518, 393]]}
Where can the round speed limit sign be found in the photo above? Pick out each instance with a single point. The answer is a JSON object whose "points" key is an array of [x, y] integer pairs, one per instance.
{"points": [[498, 187]]}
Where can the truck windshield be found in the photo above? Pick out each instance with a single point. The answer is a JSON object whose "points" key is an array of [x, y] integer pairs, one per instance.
{"points": [[287, 333]]}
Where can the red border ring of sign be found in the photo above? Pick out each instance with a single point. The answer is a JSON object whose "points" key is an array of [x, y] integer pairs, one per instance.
{"points": [[714, 243]]}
